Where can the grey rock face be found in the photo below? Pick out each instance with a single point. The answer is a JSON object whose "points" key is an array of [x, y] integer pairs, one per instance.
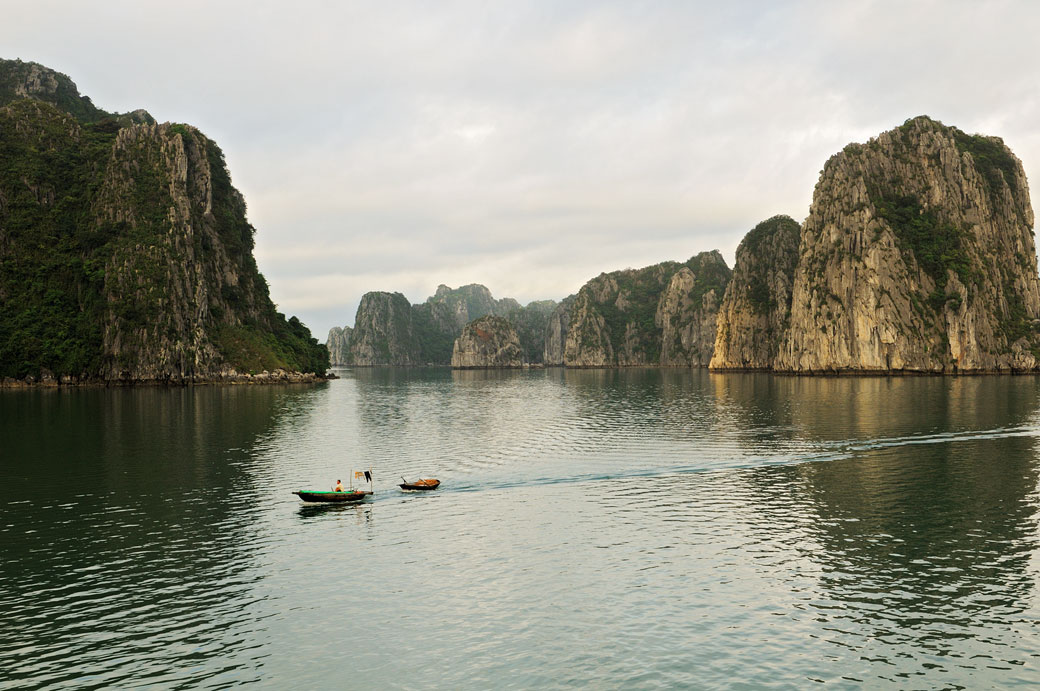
{"points": [[383, 333], [338, 344], [619, 319], [917, 255], [206, 284], [556, 332], [755, 312], [531, 322], [688, 310], [488, 342]]}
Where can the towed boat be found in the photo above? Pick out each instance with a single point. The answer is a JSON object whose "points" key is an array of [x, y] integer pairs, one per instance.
{"points": [[424, 484], [346, 496]]}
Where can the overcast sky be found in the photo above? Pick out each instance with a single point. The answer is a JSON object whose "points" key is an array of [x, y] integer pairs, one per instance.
{"points": [[530, 146]]}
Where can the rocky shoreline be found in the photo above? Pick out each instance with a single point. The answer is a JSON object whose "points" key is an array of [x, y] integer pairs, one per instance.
{"points": [[48, 380]]}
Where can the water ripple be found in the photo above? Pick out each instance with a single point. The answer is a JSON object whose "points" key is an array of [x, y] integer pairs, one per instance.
{"points": [[595, 529]]}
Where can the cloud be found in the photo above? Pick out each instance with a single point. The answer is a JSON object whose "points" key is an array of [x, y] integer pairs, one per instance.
{"points": [[529, 146]]}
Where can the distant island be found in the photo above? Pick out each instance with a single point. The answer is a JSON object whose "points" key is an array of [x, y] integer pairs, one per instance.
{"points": [[917, 257], [126, 257], [125, 253]]}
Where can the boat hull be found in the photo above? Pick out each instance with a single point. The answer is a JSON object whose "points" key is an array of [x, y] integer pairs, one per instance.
{"points": [[315, 496], [421, 486]]}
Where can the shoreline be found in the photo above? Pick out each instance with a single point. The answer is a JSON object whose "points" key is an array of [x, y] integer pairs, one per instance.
{"points": [[734, 370], [233, 378]]}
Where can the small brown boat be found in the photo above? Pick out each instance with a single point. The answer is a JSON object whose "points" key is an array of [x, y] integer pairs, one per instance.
{"points": [[424, 484]]}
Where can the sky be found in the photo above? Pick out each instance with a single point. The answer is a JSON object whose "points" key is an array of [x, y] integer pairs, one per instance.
{"points": [[530, 146]]}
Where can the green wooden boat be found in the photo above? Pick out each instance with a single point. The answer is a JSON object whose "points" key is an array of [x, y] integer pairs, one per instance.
{"points": [[346, 496]]}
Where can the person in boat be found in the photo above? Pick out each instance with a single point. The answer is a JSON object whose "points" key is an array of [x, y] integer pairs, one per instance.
{"points": [[338, 487]]}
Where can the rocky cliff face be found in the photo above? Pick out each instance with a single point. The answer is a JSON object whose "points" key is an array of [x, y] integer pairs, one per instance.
{"points": [[384, 335], [488, 342], [917, 256], [688, 309], [469, 302], [125, 254], [556, 332], [618, 319], [755, 312], [383, 332], [530, 322], [338, 344], [439, 320]]}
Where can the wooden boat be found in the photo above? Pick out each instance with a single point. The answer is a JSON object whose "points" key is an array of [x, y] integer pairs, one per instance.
{"points": [[428, 483], [317, 495]]}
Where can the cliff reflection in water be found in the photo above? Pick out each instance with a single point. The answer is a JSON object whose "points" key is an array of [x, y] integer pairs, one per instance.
{"points": [[923, 534], [128, 519]]}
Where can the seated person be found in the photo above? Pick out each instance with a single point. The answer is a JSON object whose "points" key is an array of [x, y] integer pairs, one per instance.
{"points": [[338, 487]]}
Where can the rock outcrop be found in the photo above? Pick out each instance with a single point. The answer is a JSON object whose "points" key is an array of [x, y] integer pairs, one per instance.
{"points": [[383, 332], [917, 256], [530, 322], [755, 313], [386, 333], [19, 80], [125, 252], [488, 342], [338, 345], [688, 309], [439, 320], [556, 332], [618, 319]]}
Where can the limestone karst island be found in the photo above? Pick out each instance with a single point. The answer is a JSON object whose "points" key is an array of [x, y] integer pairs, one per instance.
{"points": [[917, 256], [125, 253], [126, 257]]}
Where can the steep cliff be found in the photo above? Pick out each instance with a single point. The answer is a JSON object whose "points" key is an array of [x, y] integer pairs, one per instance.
{"points": [[688, 309], [755, 313], [338, 344], [618, 319], [125, 253], [556, 329], [917, 255], [439, 320], [530, 322], [383, 333], [488, 342]]}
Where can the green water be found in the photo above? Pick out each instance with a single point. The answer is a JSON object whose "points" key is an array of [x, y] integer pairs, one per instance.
{"points": [[603, 529]]}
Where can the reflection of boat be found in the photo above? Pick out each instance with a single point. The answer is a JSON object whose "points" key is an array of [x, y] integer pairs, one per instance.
{"points": [[314, 510], [428, 483], [316, 495]]}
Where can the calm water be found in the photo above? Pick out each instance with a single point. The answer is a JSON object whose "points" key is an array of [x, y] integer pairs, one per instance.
{"points": [[603, 529]]}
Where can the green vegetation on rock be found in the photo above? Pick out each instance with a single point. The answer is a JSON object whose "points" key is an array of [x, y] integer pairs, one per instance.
{"points": [[99, 274], [936, 245]]}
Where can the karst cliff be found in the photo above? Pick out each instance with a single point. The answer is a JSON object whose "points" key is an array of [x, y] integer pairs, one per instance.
{"points": [[488, 342], [659, 315], [917, 256], [390, 331], [125, 252]]}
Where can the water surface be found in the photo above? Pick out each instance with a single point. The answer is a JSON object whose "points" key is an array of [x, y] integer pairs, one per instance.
{"points": [[597, 528]]}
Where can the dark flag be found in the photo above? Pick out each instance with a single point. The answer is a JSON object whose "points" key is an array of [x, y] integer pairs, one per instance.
{"points": [[368, 476]]}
